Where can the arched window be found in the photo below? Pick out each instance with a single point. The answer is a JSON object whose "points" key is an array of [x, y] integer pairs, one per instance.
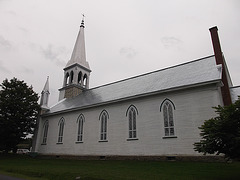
{"points": [[168, 108], [45, 132], [80, 121], [67, 79], [80, 78], [61, 127], [132, 122], [85, 80], [71, 77], [103, 125]]}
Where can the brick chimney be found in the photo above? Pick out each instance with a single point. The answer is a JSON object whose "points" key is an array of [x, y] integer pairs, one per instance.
{"points": [[220, 60]]}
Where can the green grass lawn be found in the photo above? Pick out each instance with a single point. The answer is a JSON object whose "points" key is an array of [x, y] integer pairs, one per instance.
{"points": [[59, 169]]}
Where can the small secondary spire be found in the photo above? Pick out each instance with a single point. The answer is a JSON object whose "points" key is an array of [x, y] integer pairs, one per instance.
{"points": [[46, 87], [45, 96]]}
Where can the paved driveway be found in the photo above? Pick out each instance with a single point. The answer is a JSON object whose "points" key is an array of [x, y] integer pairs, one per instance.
{"points": [[3, 177]]}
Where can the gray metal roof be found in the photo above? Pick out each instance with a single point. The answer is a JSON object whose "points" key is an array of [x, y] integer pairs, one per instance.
{"points": [[192, 73]]}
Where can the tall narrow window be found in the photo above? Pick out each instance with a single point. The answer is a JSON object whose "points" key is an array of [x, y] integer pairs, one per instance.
{"points": [[132, 122], [103, 129], [60, 133], [45, 132], [168, 119], [80, 128]]}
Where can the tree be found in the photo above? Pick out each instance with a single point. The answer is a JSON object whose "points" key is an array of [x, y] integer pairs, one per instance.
{"points": [[222, 133], [18, 112]]}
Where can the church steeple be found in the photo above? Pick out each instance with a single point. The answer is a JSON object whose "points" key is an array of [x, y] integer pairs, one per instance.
{"points": [[79, 53], [45, 96], [77, 70]]}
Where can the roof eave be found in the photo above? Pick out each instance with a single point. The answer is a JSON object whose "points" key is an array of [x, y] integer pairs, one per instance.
{"points": [[76, 64]]}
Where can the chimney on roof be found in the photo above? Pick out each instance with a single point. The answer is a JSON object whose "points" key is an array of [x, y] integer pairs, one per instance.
{"points": [[220, 60], [216, 45]]}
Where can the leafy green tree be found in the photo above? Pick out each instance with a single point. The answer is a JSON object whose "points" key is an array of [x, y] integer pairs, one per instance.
{"points": [[222, 133], [18, 112]]}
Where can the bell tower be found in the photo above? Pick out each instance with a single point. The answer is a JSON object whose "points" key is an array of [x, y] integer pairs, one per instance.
{"points": [[77, 70]]}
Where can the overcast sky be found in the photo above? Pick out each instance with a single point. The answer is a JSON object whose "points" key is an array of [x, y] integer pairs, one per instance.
{"points": [[124, 38]]}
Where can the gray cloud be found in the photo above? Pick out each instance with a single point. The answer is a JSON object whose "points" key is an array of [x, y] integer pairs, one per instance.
{"points": [[128, 52], [24, 30], [11, 12], [53, 54], [3, 69], [169, 42], [27, 70], [5, 43], [49, 53]]}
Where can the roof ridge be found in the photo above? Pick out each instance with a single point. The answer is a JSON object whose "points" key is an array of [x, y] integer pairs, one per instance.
{"points": [[133, 77]]}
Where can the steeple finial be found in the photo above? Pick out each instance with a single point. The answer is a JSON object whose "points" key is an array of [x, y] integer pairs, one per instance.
{"points": [[82, 23]]}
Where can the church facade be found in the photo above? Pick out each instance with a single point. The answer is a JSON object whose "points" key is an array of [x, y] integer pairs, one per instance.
{"points": [[154, 114]]}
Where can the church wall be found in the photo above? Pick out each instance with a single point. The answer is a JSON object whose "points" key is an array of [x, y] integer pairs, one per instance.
{"points": [[192, 107]]}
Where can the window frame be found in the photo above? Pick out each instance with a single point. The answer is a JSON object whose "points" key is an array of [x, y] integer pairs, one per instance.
{"points": [[45, 132], [131, 114], [167, 107], [80, 122], [61, 124], [103, 120]]}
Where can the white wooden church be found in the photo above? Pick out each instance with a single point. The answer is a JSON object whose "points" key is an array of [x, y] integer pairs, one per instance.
{"points": [[154, 114]]}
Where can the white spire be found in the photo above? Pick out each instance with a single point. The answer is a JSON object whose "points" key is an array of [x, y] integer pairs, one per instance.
{"points": [[46, 87], [79, 53], [45, 95]]}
